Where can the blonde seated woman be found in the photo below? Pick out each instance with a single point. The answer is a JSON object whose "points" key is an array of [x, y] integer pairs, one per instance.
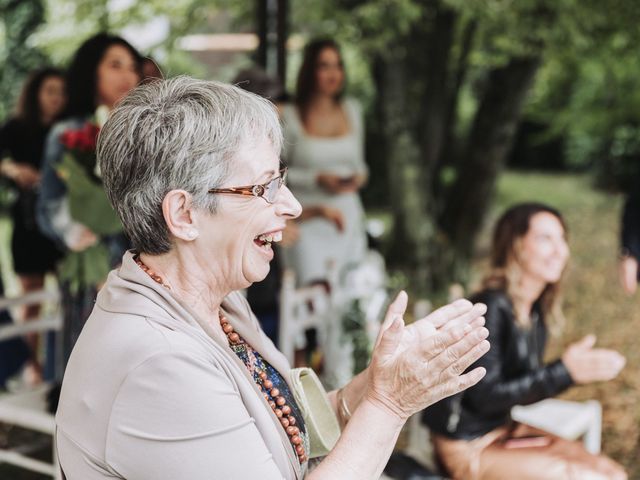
{"points": [[474, 436]]}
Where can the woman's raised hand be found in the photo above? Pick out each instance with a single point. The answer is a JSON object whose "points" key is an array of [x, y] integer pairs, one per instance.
{"points": [[417, 365], [587, 364]]}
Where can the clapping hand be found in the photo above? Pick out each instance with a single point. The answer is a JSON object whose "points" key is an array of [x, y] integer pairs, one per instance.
{"points": [[417, 365]]}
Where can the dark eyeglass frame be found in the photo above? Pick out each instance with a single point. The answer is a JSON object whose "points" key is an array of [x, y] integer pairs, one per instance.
{"points": [[258, 190]]}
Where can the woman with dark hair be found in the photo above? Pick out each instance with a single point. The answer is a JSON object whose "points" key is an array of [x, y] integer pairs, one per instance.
{"points": [[21, 147], [474, 436], [324, 149], [72, 207]]}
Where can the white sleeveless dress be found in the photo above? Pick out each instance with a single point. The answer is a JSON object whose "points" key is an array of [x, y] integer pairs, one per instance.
{"points": [[321, 245]]}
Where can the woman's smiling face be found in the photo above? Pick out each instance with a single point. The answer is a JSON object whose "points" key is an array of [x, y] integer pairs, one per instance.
{"points": [[543, 249], [239, 235]]}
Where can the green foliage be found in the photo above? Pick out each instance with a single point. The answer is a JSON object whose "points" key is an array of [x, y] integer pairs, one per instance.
{"points": [[63, 33], [354, 325], [588, 91], [17, 55]]}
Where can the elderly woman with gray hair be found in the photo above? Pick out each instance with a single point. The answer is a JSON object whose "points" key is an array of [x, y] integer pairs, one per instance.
{"points": [[172, 377]]}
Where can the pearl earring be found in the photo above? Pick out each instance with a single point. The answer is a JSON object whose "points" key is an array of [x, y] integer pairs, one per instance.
{"points": [[192, 234]]}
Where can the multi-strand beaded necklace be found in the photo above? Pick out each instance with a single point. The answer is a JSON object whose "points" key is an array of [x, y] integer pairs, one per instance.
{"points": [[287, 412]]}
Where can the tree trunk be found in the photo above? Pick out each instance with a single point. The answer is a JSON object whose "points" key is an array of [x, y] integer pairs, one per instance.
{"points": [[412, 229], [434, 104], [449, 152], [490, 139]]}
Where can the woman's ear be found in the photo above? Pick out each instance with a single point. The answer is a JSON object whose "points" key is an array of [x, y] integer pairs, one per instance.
{"points": [[179, 215]]}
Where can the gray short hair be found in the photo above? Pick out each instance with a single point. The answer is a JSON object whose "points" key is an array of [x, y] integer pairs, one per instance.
{"points": [[180, 133]]}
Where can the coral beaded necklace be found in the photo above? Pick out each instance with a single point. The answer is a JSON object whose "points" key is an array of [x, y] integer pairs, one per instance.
{"points": [[276, 401]]}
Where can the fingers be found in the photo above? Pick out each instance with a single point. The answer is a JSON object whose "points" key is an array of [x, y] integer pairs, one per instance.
{"points": [[454, 342], [608, 359], [458, 356], [468, 316], [458, 384], [476, 312], [396, 310], [458, 367], [587, 342], [455, 314], [449, 312], [598, 365]]}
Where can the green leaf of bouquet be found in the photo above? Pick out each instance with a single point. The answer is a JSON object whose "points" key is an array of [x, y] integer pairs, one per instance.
{"points": [[87, 268], [88, 201]]}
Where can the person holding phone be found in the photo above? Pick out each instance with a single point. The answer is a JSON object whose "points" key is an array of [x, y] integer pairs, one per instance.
{"points": [[473, 434], [324, 150]]}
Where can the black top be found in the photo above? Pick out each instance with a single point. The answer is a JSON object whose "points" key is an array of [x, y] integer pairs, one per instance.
{"points": [[631, 226], [33, 253], [516, 374], [23, 143]]}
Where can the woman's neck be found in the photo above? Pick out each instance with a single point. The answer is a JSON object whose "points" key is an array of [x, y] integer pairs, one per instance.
{"points": [[321, 102], [529, 291], [46, 120], [189, 280]]}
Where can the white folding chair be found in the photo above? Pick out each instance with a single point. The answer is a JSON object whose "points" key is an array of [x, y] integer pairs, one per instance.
{"points": [[28, 408], [300, 309], [569, 420]]}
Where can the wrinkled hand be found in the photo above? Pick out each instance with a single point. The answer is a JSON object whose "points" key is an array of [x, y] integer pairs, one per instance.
{"points": [[587, 364], [335, 216], [629, 274], [415, 366]]}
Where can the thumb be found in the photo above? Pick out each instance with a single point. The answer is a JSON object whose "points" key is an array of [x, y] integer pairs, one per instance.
{"points": [[587, 342], [397, 308], [390, 338]]}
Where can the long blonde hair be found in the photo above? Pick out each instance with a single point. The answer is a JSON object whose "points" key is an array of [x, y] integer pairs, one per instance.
{"points": [[506, 271]]}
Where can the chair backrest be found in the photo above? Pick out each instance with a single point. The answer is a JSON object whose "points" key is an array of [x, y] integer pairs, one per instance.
{"points": [[301, 308], [28, 408]]}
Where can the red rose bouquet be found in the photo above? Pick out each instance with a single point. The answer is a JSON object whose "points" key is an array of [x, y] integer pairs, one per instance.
{"points": [[88, 204]]}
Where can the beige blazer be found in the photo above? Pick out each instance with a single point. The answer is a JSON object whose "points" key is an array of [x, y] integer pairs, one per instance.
{"points": [[150, 393]]}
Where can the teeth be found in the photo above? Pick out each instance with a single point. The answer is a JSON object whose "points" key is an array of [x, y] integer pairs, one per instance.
{"points": [[270, 237]]}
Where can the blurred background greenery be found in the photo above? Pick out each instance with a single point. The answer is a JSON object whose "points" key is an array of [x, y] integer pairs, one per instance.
{"points": [[471, 106]]}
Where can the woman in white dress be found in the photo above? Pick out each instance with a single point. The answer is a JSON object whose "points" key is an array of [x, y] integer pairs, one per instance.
{"points": [[324, 150]]}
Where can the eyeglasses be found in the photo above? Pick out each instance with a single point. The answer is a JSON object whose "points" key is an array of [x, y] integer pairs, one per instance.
{"points": [[268, 191]]}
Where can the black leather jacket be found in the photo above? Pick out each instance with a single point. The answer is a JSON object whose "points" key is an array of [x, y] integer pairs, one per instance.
{"points": [[515, 375]]}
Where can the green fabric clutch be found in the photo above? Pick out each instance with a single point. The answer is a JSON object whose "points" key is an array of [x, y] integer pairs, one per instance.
{"points": [[320, 420]]}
